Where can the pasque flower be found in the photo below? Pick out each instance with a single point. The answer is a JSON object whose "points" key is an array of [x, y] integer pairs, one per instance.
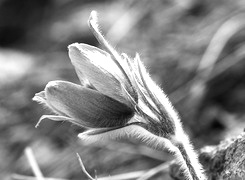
{"points": [[117, 98]]}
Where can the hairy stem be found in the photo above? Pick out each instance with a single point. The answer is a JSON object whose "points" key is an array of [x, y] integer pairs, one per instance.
{"points": [[193, 166]]}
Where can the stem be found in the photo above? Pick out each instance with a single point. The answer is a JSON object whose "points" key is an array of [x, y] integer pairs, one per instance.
{"points": [[193, 166]]}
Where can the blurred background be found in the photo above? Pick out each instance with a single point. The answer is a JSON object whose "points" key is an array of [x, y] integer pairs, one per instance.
{"points": [[194, 49]]}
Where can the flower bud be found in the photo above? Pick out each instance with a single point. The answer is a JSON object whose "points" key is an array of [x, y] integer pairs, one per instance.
{"points": [[101, 71], [87, 107]]}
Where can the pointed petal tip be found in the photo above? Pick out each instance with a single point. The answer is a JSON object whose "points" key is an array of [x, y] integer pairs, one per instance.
{"points": [[39, 97], [52, 83], [93, 14], [52, 87], [83, 46], [93, 17], [79, 49], [73, 45], [56, 86], [36, 98]]}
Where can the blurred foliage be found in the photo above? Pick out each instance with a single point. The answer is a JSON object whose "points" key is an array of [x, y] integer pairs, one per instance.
{"points": [[171, 37]]}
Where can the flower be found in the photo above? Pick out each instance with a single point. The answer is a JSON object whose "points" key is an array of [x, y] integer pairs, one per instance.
{"points": [[116, 96]]}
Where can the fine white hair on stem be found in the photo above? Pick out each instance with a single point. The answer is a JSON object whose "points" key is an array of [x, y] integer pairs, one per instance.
{"points": [[187, 158], [93, 24], [131, 131]]}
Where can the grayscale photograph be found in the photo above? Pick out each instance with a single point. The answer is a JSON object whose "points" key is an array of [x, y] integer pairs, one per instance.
{"points": [[122, 90]]}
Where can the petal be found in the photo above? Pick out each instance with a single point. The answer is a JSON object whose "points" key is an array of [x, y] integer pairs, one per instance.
{"points": [[134, 131], [54, 118], [99, 68], [87, 106], [59, 118], [39, 97]]}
